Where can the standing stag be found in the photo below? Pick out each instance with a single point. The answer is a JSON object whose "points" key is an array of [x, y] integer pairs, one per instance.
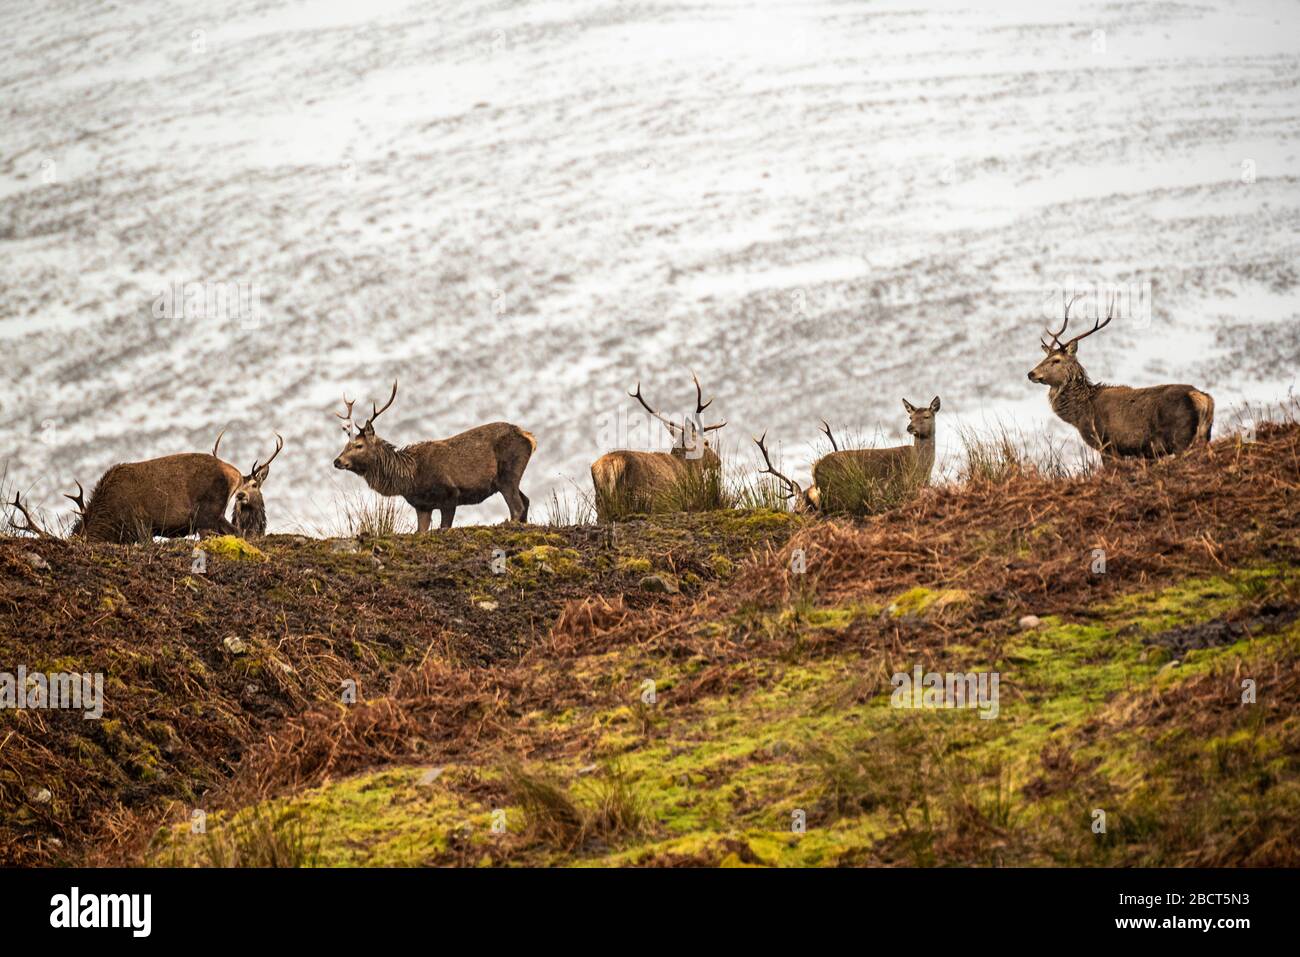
{"points": [[627, 481], [1116, 420], [443, 474], [172, 496]]}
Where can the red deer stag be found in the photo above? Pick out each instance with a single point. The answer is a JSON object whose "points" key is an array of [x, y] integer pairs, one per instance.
{"points": [[627, 482], [172, 496], [443, 474], [1116, 420]]}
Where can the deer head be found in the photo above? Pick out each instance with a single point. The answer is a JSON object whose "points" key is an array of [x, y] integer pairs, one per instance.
{"points": [[922, 419], [359, 454], [249, 490], [1062, 364], [690, 439]]}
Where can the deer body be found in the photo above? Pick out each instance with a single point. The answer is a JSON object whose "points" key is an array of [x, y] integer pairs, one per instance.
{"points": [[628, 481], [914, 461], [1116, 420], [446, 473], [639, 479], [907, 464], [172, 496], [1123, 422]]}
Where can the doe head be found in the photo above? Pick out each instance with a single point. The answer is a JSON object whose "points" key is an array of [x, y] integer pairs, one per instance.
{"points": [[921, 418]]}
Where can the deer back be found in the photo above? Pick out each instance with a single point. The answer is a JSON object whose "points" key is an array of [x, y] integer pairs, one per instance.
{"points": [[162, 495]]}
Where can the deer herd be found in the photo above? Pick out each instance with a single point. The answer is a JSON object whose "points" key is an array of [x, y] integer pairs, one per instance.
{"points": [[188, 493]]}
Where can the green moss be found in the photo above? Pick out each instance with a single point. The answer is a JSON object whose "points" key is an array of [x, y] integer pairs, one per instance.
{"points": [[635, 565], [548, 560], [232, 547], [923, 601]]}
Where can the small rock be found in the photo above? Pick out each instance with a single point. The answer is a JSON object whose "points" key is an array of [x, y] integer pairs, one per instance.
{"points": [[1030, 621], [345, 545], [234, 644], [659, 584], [487, 605], [430, 776], [42, 796], [36, 561]]}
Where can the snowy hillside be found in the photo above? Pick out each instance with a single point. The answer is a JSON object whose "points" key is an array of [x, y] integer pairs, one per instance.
{"points": [[520, 209]]}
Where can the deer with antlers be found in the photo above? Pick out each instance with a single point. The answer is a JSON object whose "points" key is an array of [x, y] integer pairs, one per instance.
{"points": [[1116, 420], [172, 496], [627, 481], [443, 474]]}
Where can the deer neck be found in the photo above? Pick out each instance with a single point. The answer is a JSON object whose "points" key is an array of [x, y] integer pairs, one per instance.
{"points": [[393, 472], [923, 453], [1073, 399]]}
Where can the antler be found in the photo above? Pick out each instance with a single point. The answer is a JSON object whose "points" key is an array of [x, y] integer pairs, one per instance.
{"points": [[673, 427], [80, 498], [827, 429], [1056, 342], [32, 525], [794, 490], [1099, 324], [347, 415], [215, 446], [279, 444], [376, 413], [701, 405]]}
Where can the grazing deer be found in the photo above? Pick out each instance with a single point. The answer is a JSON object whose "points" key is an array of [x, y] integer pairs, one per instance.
{"points": [[172, 496], [248, 514], [626, 481], [443, 474], [903, 463], [1118, 421]]}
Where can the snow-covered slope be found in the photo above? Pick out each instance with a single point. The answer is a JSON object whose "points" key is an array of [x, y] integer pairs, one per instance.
{"points": [[520, 209]]}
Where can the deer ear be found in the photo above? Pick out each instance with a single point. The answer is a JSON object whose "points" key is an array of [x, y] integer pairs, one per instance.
{"points": [[1072, 348], [909, 407], [934, 404]]}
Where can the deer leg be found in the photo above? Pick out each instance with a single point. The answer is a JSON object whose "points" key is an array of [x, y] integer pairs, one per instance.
{"points": [[516, 502], [422, 519], [446, 515]]}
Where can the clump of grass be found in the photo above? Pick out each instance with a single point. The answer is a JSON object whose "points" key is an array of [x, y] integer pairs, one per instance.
{"points": [[609, 810], [262, 837], [364, 515], [575, 508], [849, 487], [1004, 453]]}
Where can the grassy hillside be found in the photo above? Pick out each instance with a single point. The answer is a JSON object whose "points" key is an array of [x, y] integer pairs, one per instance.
{"points": [[688, 690]]}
